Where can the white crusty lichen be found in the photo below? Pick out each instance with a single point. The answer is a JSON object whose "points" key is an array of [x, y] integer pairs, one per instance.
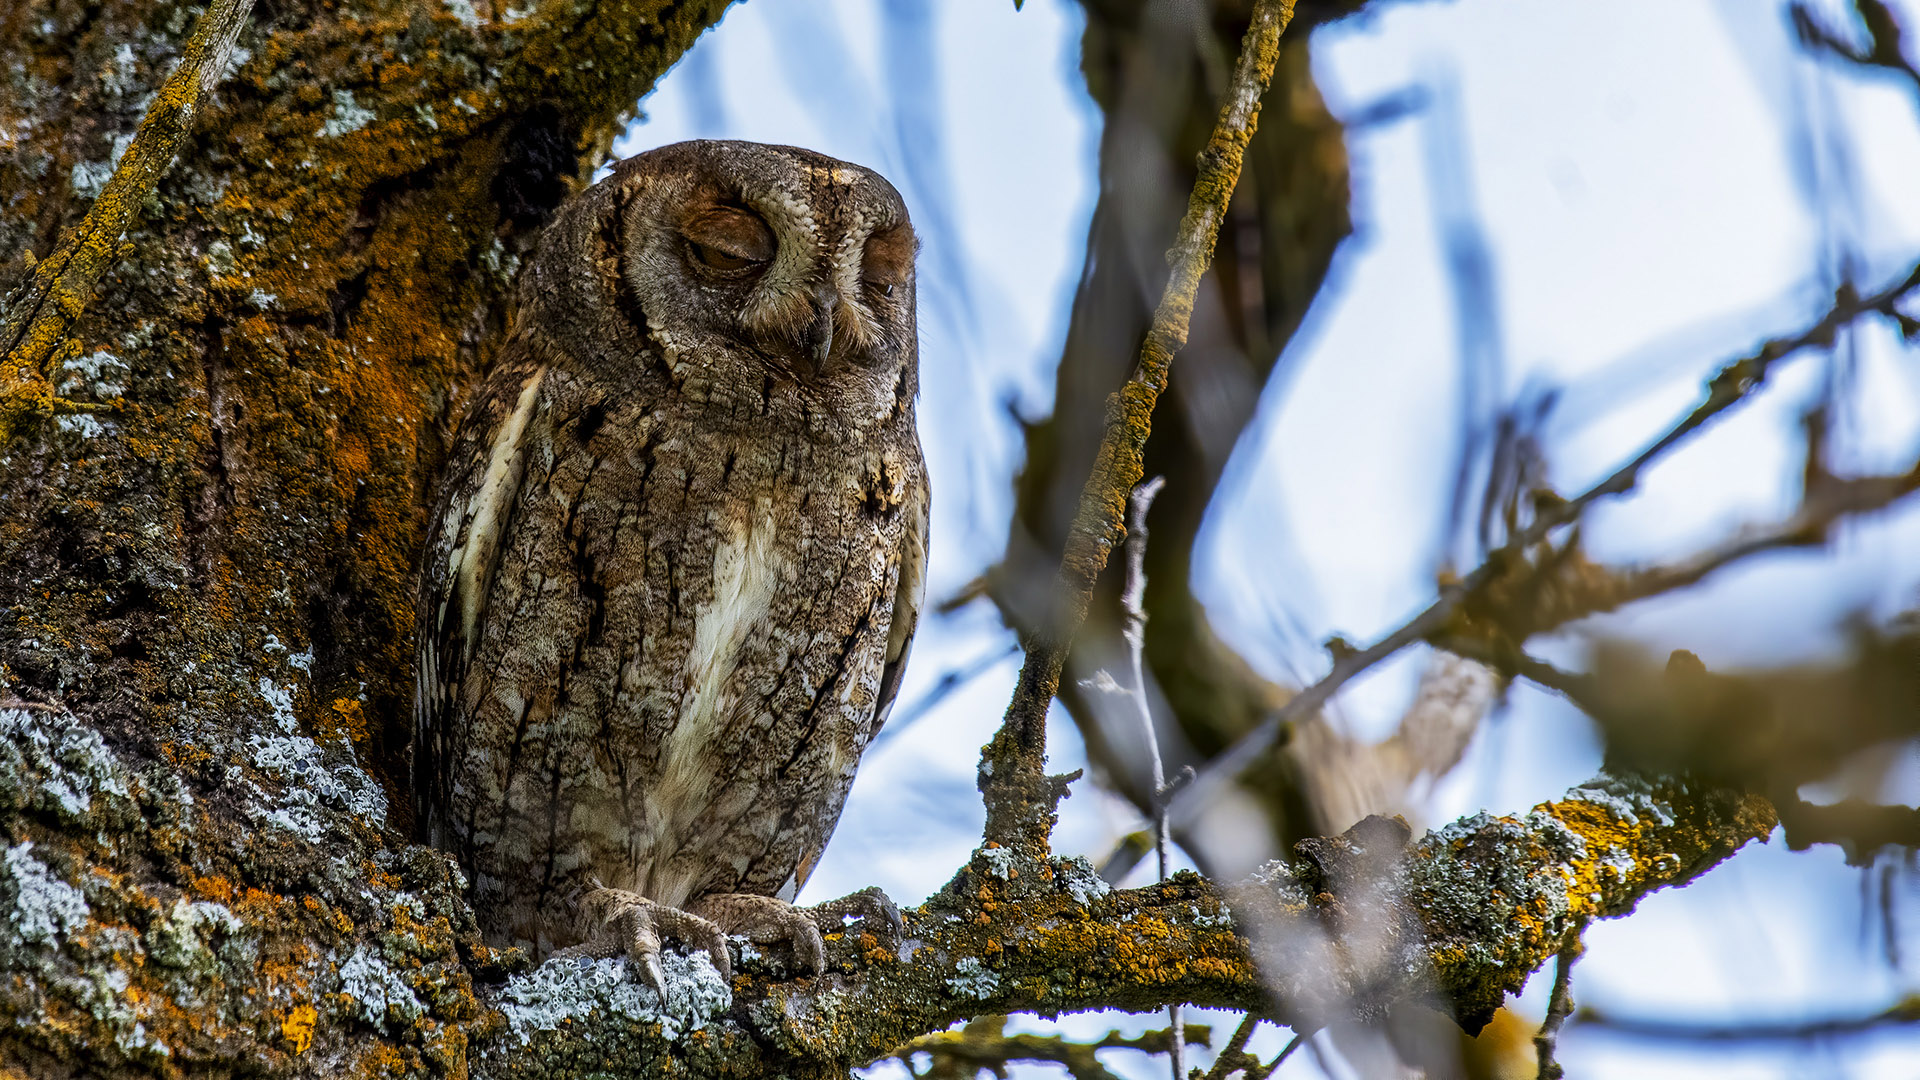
{"points": [[379, 994], [80, 424], [347, 116], [183, 937], [567, 991], [972, 979], [89, 178], [44, 907], [99, 374], [1627, 797], [310, 780], [462, 12], [1081, 881], [50, 760], [998, 861]]}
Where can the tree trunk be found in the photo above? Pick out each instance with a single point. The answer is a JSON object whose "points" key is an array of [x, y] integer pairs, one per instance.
{"points": [[214, 574]]}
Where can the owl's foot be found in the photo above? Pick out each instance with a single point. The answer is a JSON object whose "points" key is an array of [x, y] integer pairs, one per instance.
{"points": [[763, 920], [621, 923], [875, 910]]}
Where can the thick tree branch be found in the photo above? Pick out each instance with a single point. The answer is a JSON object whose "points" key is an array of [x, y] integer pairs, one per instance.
{"points": [[1352, 925]]}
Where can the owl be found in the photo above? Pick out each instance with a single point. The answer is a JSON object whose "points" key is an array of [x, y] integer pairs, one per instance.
{"points": [[677, 557]]}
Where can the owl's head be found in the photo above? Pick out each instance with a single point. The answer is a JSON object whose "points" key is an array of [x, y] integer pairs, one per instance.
{"points": [[753, 268]]}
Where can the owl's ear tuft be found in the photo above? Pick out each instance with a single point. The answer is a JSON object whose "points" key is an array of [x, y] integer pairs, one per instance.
{"points": [[539, 160]]}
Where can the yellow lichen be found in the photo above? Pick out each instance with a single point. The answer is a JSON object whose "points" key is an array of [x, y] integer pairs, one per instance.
{"points": [[297, 1027]]}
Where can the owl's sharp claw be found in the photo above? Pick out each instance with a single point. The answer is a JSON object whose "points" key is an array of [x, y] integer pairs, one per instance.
{"points": [[650, 971], [617, 922], [875, 910], [764, 919]]}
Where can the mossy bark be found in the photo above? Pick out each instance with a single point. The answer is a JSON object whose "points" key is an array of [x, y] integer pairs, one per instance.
{"points": [[213, 570]]}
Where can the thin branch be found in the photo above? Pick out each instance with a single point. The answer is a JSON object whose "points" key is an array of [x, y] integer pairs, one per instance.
{"points": [[1559, 1006], [34, 327], [1861, 827], [1286, 1052], [1019, 797], [1734, 383], [1234, 1057], [1134, 629], [1883, 38], [1905, 1011], [983, 1044]]}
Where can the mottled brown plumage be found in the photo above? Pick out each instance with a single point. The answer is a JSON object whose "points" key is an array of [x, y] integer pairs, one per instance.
{"points": [[678, 555]]}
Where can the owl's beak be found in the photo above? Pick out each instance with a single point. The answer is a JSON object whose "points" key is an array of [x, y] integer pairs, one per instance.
{"points": [[817, 342]]}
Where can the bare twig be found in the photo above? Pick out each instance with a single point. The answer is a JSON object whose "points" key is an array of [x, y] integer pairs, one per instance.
{"points": [[983, 1043], [1559, 1006], [1883, 38], [1019, 797], [33, 328], [1731, 385], [1233, 1057], [1861, 827], [1134, 629], [1286, 1052], [1905, 1011]]}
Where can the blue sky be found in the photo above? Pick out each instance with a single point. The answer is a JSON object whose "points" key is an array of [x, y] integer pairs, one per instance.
{"points": [[1659, 185]]}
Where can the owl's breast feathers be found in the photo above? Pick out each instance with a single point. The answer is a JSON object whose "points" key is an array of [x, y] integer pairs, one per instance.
{"points": [[652, 650]]}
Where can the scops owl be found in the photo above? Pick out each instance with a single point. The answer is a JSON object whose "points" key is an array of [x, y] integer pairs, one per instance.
{"points": [[678, 556]]}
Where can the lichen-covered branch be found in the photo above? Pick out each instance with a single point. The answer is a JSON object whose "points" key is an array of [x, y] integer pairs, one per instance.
{"points": [[34, 325], [1350, 926], [1020, 798], [338, 954]]}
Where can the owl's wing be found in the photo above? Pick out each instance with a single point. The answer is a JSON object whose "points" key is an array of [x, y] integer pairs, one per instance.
{"points": [[489, 463], [907, 599]]}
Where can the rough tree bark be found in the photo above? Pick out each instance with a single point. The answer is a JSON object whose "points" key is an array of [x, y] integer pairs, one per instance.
{"points": [[215, 571], [206, 640]]}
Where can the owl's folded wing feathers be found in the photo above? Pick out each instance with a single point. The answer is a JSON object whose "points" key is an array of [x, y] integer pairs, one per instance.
{"points": [[487, 468], [907, 600]]}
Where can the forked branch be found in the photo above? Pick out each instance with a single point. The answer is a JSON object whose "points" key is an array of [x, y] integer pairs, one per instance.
{"points": [[1020, 797]]}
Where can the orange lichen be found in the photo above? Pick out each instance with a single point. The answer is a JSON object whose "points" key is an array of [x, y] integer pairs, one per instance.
{"points": [[297, 1027]]}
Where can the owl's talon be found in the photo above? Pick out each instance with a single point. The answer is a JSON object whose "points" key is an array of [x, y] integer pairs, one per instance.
{"points": [[621, 923], [650, 970], [873, 907], [764, 920]]}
